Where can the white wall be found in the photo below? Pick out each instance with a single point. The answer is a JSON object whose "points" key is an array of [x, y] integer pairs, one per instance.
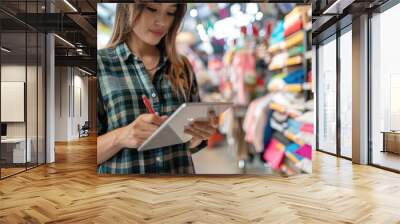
{"points": [[12, 73], [68, 82], [34, 125], [80, 118], [61, 103]]}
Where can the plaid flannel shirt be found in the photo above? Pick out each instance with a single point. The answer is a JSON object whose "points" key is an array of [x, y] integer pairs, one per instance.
{"points": [[122, 80]]}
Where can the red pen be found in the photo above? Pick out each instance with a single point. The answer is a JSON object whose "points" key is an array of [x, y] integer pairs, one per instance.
{"points": [[147, 104]]}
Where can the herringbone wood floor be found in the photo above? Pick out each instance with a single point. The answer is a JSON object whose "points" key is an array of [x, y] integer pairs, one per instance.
{"points": [[70, 191]]}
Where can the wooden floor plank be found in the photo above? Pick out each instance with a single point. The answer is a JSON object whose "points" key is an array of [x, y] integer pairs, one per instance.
{"points": [[70, 191]]}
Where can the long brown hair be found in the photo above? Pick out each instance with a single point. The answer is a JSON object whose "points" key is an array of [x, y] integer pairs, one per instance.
{"points": [[179, 71]]}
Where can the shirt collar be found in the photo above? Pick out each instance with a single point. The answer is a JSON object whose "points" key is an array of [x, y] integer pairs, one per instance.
{"points": [[124, 52]]}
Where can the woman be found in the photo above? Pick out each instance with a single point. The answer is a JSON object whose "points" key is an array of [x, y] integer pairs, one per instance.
{"points": [[141, 59]]}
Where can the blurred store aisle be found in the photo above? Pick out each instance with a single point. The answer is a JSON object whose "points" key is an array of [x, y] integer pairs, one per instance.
{"points": [[220, 160], [216, 160]]}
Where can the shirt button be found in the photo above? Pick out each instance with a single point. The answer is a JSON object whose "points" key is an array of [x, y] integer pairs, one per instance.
{"points": [[153, 95]]}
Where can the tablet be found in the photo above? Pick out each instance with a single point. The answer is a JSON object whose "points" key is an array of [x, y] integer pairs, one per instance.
{"points": [[171, 132]]}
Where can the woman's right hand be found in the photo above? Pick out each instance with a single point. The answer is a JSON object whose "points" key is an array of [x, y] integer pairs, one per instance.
{"points": [[134, 134]]}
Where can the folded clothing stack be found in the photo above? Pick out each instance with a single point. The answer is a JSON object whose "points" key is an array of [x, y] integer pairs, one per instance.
{"points": [[294, 27], [282, 60], [280, 147], [307, 126], [296, 76], [300, 14], [277, 33], [278, 61], [274, 154], [282, 80], [294, 40], [295, 60], [296, 50], [294, 126], [289, 148]]}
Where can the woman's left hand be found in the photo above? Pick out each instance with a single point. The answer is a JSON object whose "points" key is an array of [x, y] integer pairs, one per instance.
{"points": [[202, 130]]}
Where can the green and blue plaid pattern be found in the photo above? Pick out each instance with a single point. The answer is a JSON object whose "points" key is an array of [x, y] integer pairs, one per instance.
{"points": [[122, 80]]}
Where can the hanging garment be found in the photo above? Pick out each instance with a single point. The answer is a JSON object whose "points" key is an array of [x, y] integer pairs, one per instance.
{"points": [[268, 130], [250, 120], [261, 113], [278, 107], [243, 66], [283, 109], [255, 121], [280, 117], [280, 127]]}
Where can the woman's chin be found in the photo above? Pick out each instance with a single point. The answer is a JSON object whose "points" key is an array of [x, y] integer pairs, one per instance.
{"points": [[152, 41]]}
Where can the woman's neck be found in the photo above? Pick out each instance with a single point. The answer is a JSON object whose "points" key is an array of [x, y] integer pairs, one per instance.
{"points": [[141, 48]]}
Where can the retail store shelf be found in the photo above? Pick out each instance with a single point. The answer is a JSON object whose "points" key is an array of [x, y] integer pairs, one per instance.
{"points": [[308, 26], [308, 55]]}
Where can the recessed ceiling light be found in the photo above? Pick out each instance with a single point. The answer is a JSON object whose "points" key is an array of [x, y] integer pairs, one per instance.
{"points": [[5, 49], [84, 71], [64, 40], [338, 6], [70, 5]]}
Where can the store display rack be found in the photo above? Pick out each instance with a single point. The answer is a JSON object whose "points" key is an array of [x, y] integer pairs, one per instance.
{"points": [[292, 54]]}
